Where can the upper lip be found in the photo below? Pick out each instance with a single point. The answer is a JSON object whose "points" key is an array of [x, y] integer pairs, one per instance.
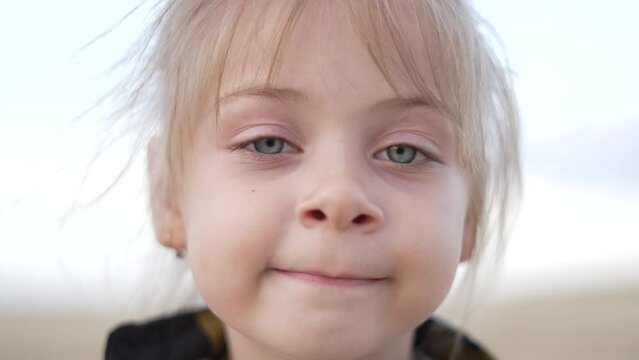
{"points": [[340, 275]]}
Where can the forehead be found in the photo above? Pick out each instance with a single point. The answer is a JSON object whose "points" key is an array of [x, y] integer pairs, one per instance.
{"points": [[333, 50]]}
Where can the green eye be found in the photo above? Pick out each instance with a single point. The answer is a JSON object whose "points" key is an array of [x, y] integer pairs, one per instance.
{"points": [[269, 145], [402, 154]]}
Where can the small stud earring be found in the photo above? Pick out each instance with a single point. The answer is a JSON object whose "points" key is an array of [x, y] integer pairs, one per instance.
{"points": [[179, 253]]}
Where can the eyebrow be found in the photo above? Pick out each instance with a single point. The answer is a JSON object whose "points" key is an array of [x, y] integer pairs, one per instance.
{"points": [[279, 94], [402, 103], [296, 95]]}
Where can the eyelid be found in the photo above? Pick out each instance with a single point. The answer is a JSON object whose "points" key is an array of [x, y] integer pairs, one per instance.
{"points": [[416, 140], [256, 131], [264, 129]]}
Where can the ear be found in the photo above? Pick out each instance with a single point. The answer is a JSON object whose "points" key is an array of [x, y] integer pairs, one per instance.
{"points": [[469, 238], [167, 218], [468, 244]]}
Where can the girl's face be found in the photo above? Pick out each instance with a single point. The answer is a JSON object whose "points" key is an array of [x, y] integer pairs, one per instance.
{"points": [[324, 217]]}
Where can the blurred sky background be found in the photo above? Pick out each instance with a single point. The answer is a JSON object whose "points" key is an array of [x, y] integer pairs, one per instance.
{"points": [[577, 81]]}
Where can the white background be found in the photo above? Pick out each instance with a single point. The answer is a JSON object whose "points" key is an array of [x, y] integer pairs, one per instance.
{"points": [[577, 82]]}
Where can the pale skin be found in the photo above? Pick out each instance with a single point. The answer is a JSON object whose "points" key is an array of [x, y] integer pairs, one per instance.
{"points": [[324, 218]]}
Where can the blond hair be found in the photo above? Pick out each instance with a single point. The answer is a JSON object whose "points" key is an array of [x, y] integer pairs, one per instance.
{"points": [[184, 54]]}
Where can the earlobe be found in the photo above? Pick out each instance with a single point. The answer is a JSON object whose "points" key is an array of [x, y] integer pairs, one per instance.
{"points": [[469, 238], [468, 244], [167, 218], [168, 225]]}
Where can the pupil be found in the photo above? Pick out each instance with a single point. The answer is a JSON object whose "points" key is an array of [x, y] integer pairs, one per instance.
{"points": [[400, 150], [270, 142]]}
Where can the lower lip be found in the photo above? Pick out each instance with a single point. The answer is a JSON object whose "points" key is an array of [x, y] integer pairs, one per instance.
{"points": [[326, 281]]}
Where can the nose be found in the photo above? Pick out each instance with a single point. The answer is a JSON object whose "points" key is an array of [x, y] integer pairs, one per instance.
{"points": [[341, 204]]}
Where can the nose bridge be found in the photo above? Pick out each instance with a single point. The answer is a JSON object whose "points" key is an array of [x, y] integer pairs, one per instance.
{"points": [[341, 169], [336, 193]]}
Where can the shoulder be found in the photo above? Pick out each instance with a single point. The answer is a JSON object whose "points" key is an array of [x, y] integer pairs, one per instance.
{"points": [[183, 336], [439, 340]]}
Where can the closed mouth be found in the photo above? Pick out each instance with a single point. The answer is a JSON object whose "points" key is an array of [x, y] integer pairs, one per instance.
{"points": [[319, 278]]}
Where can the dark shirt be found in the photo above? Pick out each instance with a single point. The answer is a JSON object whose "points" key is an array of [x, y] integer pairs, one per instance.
{"points": [[199, 335]]}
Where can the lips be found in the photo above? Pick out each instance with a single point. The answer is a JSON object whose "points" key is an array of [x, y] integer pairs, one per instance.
{"points": [[321, 278]]}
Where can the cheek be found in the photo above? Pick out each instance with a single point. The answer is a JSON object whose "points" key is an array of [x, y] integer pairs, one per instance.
{"points": [[232, 229], [428, 246]]}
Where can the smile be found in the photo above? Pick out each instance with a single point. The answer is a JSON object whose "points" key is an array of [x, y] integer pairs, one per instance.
{"points": [[320, 279]]}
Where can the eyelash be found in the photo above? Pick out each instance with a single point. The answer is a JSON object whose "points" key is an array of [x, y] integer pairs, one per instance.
{"points": [[243, 146]]}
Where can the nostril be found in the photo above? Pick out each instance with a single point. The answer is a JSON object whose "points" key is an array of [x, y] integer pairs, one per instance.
{"points": [[360, 219], [318, 215]]}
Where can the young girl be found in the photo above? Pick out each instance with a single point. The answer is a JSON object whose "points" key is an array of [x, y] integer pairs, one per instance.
{"points": [[325, 166]]}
